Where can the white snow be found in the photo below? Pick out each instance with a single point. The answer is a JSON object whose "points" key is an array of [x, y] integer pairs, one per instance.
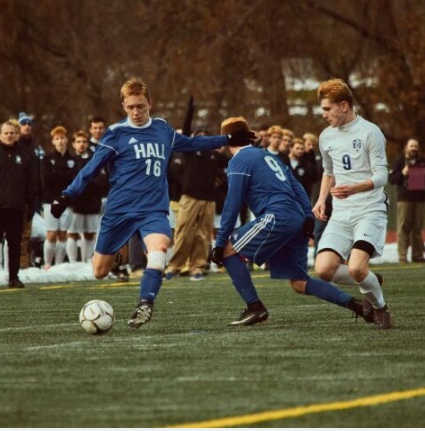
{"points": [[83, 271]]}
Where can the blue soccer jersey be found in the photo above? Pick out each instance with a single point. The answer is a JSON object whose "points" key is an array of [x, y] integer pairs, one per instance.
{"points": [[137, 159], [267, 186]]}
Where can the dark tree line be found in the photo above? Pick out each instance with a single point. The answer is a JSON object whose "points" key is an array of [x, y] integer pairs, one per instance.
{"points": [[63, 61]]}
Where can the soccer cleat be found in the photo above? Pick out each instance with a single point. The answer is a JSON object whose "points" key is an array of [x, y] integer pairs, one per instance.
{"points": [[15, 283], [368, 311], [170, 275], [123, 276], [141, 315], [196, 277], [382, 318], [367, 306], [358, 308], [251, 317], [120, 274]]}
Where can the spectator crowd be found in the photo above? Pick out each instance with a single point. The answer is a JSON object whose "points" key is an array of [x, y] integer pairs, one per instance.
{"points": [[33, 175]]}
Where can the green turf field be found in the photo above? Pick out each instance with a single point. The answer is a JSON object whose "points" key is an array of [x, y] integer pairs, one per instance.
{"points": [[310, 365]]}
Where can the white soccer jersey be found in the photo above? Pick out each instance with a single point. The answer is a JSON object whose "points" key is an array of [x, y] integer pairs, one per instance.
{"points": [[351, 154]]}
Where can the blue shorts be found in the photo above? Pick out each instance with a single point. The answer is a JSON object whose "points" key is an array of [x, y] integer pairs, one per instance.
{"points": [[283, 243], [117, 229]]}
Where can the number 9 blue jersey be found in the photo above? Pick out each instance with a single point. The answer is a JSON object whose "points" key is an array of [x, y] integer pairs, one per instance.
{"points": [[267, 186]]}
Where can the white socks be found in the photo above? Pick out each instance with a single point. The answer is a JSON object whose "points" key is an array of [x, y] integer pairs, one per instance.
{"points": [[72, 250], [342, 276], [372, 291], [60, 252], [48, 252], [369, 287], [87, 249]]}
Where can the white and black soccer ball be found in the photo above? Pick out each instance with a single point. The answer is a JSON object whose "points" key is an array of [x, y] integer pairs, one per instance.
{"points": [[97, 317]]}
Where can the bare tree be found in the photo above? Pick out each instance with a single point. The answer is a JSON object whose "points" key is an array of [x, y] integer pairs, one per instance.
{"points": [[64, 61]]}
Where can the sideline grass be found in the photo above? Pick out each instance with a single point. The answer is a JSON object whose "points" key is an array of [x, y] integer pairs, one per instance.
{"points": [[188, 366]]}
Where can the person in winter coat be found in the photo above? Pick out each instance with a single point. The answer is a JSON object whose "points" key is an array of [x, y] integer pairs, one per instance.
{"points": [[17, 196]]}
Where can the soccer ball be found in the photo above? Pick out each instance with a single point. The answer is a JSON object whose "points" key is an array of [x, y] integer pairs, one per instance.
{"points": [[97, 317]]}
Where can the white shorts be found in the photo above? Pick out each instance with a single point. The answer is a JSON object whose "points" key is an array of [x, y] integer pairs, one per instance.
{"points": [[343, 231], [57, 224], [84, 223]]}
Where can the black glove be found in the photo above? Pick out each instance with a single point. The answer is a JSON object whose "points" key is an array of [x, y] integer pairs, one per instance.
{"points": [[217, 255], [309, 227], [241, 138], [59, 206]]}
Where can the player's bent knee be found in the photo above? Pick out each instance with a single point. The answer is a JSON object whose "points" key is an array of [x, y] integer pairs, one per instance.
{"points": [[298, 286], [326, 263], [324, 272], [156, 260], [358, 274], [100, 273]]}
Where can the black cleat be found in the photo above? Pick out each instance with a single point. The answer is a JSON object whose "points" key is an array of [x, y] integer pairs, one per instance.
{"points": [[382, 318], [368, 311], [141, 315], [357, 306], [120, 273], [15, 283], [251, 316], [123, 276], [367, 306]]}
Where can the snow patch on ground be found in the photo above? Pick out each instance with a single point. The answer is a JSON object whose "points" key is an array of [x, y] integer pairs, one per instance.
{"points": [[83, 271]]}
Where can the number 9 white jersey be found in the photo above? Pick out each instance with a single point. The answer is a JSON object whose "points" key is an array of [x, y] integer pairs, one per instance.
{"points": [[354, 153]]}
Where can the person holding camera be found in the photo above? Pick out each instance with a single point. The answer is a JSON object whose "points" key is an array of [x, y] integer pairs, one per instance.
{"points": [[408, 175]]}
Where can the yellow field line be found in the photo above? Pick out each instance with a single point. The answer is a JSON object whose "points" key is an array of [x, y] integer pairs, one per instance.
{"points": [[273, 415], [96, 286]]}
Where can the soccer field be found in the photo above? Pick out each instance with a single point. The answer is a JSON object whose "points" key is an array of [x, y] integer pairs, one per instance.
{"points": [[310, 365]]}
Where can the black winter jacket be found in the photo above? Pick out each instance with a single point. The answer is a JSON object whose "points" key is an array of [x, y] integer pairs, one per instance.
{"points": [[57, 172], [17, 188]]}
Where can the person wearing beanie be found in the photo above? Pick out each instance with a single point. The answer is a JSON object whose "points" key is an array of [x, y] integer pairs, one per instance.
{"points": [[27, 142], [279, 233], [24, 118]]}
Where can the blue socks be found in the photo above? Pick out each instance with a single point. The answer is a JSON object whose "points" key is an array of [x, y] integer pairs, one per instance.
{"points": [[241, 278], [327, 291], [152, 280], [150, 284]]}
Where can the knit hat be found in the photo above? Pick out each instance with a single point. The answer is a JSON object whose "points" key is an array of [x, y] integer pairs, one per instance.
{"points": [[233, 124], [24, 118]]}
